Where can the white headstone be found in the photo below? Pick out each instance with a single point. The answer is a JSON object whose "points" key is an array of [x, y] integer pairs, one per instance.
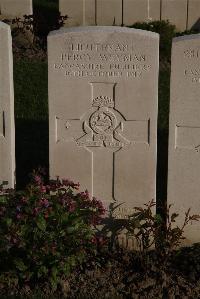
{"points": [[193, 14], [140, 11], [16, 8], [176, 12], [79, 12], [103, 88], [184, 131], [7, 129], [109, 12]]}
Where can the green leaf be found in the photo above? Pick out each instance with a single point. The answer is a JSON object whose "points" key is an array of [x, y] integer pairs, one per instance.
{"points": [[54, 283], [62, 233], [3, 199], [158, 219], [41, 223], [71, 229], [54, 273], [8, 221], [20, 265], [42, 271]]}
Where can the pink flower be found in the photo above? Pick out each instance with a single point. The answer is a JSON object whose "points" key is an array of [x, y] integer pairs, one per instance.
{"points": [[14, 241], [19, 216], [71, 206], [43, 189], [98, 240], [95, 220], [69, 183], [44, 203], [84, 195], [99, 206], [24, 200], [46, 215], [38, 179], [36, 211]]}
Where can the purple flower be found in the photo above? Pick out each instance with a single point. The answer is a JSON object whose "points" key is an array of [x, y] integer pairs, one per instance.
{"points": [[38, 179], [36, 211], [19, 216], [43, 189], [24, 200], [44, 203], [71, 206], [69, 183]]}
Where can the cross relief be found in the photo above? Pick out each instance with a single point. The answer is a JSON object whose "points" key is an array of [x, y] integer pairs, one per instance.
{"points": [[103, 130], [2, 123], [102, 125], [187, 137]]}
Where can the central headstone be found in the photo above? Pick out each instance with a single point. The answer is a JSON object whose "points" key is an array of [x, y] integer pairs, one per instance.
{"points": [[103, 85]]}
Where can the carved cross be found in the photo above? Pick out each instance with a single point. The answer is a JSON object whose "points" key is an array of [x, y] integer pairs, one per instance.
{"points": [[2, 124], [103, 131], [187, 137]]}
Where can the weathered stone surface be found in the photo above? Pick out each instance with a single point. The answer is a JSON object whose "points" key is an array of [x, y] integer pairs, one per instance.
{"points": [[141, 11], [193, 14], [176, 12], [109, 12], [79, 12], [103, 84], [16, 8], [153, 10], [7, 129], [184, 131]]}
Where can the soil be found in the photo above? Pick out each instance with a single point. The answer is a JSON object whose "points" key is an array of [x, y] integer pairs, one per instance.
{"points": [[127, 274]]}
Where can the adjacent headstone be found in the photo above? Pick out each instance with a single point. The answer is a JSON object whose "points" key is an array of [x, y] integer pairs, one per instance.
{"points": [[176, 12], [193, 14], [7, 129], [16, 8], [184, 131], [103, 85], [109, 12], [79, 12], [140, 11]]}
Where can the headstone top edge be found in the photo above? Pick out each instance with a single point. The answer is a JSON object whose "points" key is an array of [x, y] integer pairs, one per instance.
{"points": [[4, 26], [105, 29], [186, 37]]}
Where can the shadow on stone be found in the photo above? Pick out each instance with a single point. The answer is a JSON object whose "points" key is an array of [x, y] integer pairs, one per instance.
{"points": [[196, 26], [32, 139]]}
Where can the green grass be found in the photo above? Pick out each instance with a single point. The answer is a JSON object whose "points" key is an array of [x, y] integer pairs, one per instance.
{"points": [[47, 4], [31, 118], [31, 90], [163, 96]]}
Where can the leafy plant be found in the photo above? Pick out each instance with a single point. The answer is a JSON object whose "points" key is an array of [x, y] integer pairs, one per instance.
{"points": [[45, 231], [150, 229], [166, 30]]}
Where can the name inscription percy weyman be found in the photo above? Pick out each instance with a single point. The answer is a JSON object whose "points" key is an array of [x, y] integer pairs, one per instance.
{"points": [[102, 60]]}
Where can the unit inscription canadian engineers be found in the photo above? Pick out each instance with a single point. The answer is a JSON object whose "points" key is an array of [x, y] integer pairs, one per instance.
{"points": [[102, 60]]}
